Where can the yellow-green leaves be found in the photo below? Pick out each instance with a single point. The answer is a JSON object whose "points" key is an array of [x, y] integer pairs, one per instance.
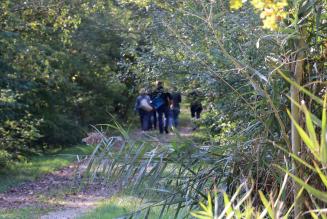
{"points": [[141, 3], [207, 212], [267, 205], [235, 4], [311, 190], [34, 25], [229, 209], [310, 138], [240, 205], [271, 12], [323, 136]]}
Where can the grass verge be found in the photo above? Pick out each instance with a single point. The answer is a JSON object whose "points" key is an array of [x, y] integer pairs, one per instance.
{"points": [[22, 213], [36, 166], [121, 205]]}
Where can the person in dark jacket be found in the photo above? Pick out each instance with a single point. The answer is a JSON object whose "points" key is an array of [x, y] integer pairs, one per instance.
{"points": [[175, 107], [163, 107], [196, 106]]}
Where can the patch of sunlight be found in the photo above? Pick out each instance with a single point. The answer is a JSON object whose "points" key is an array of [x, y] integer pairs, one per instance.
{"points": [[121, 205], [29, 212]]}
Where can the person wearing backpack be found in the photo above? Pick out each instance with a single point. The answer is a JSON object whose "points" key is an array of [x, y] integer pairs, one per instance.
{"points": [[161, 102], [144, 108]]}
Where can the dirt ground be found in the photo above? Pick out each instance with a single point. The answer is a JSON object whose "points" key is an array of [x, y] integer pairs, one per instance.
{"points": [[59, 192], [62, 193]]}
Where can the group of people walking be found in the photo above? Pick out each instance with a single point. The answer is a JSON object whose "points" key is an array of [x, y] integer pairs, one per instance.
{"points": [[162, 108]]}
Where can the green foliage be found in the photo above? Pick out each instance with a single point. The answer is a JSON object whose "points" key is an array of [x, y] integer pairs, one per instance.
{"points": [[274, 206], [4, 158], [221, 129], [59, 72], [67, 64]]}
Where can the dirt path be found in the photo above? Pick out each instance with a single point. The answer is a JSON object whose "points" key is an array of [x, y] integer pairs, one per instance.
{"points": [[60, 194]]}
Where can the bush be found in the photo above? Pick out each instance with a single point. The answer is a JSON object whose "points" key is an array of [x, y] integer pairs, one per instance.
{"points": [[4, 159]]}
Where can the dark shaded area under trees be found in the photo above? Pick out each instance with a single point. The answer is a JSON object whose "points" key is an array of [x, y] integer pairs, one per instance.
{"points": [[60, 71]]}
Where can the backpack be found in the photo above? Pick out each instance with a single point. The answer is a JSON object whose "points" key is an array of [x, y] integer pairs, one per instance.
{"points": [[158, 101], [145, 105]]}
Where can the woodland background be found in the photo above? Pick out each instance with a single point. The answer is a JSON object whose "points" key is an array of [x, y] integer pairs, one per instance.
{"points": [[66, 65]]}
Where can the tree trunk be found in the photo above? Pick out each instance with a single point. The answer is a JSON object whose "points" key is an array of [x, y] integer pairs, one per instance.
{"points": [[295, 137]]}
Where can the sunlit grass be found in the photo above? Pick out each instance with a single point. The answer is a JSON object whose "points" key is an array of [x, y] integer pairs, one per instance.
{"points": [[121, 205], [38, 165], [23, 213]]}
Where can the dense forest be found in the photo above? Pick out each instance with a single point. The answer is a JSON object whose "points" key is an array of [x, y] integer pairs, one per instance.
{"points": [[62, 69], [260, 66]]}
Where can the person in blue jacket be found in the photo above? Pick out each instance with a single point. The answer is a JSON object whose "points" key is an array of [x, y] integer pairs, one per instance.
{"points": [[161, 102]]}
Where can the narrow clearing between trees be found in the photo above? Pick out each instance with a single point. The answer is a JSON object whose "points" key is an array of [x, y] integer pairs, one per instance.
{"points": [[60, 193]]}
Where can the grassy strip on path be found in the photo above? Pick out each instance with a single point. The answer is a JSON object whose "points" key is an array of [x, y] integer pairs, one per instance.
{"points": [[37, 166], [22, 213], [30, 170], [123, 204]]}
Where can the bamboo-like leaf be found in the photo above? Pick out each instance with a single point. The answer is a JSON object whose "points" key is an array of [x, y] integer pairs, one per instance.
{"points": [[200, 215], [323, 149], [323, 177], [314, 118], [310, 127], [299, 194], [295, 157], [307, 92], [245, 197], [227, 203], [222, 214], [313, 215], [238, 213], [203, 206], [304, 136], [315, 192], [248, 212], [267, 205], [210, 204], [215, 214], [282, 188]]}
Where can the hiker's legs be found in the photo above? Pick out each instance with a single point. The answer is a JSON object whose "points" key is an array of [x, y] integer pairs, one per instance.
{"points": [[167, 118], [160, 118], [198, 112], [154, 116], [175, 117], [141, 118], [171, 117], [146, 121], [150, 121], [144, 116], [192, 111]]}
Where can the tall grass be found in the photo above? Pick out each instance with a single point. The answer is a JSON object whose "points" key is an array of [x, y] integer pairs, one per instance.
{"points": [[184, 173]]}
